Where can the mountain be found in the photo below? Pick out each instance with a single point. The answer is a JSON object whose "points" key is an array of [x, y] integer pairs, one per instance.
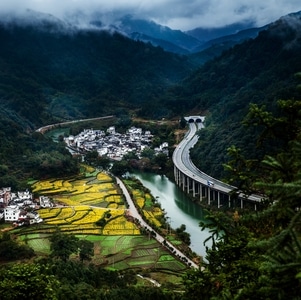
{"points": [[259, 71], [213, 48], [167, 46], [175, 41], [52, 71], [158, 35], [73, 73], [227, 41], [202, 44], [206, 34], [188, 42]]}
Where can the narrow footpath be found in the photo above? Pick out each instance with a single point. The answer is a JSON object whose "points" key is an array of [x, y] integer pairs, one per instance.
{"points": [[135, 214]]}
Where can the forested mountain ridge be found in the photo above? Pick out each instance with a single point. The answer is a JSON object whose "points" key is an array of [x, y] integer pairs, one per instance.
{"points": [[51, 72], [56, 76], [257, 71], [258, 255], [77, 73]]}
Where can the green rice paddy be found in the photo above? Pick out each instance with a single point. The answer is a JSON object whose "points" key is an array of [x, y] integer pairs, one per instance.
{"points": [[117, 252]]}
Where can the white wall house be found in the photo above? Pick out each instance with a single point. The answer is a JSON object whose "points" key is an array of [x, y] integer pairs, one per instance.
{"points": [[11, 213], [26, 195], [111, 130], [45, 201]]}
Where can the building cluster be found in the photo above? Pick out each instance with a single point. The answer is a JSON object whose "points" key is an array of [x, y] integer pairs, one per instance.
{"points": [[113, 144], [18, 208]]}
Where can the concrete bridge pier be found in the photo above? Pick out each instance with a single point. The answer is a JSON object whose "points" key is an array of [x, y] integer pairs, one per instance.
{"points": [[201, 192], [184, 182], [188, 184], [209, 195], [204, 192], [176, 175], [194, 188]]}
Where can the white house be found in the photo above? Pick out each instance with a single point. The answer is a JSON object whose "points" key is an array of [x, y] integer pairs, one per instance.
{"points": [[111, 130], [11, 213], [26, 195], [45, 201]]}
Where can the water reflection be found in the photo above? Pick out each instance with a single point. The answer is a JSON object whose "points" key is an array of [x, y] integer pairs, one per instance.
{"points": [[179, 208]]}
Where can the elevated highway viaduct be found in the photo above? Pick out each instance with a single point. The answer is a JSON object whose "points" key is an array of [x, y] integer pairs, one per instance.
{"points": [[199, 184]]}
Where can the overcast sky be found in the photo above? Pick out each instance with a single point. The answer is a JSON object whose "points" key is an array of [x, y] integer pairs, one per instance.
{"points": [[177, 14]]}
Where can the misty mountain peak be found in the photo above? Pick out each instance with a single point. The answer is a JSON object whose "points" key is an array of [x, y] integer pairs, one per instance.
{"points": [[38, 20]]}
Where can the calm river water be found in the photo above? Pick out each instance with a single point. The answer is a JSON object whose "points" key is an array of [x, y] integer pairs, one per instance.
{"points": [[178, 207]]}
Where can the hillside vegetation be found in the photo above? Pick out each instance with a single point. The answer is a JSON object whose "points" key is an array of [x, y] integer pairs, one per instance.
{"points": [[68, 74], [49, 75], [259, 71]]}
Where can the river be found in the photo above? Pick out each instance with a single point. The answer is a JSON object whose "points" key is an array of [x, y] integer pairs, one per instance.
{"points": [[178, 207]]}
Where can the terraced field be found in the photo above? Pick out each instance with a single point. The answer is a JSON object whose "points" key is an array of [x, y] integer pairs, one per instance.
{"points": [[93, 208], [149, 209], [96, 189], [117, 252]]}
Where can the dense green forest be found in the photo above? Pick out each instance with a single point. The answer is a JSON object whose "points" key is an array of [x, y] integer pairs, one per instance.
{"points": [[49, 75], [259, 71], [59, 277], [251, 100]]}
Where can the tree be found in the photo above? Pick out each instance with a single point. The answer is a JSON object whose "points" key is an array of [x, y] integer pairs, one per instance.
{"points": [[183, 235], [148, 153], [27, 281], [92, 158], [86, 249], [183, 122], [120, 168], [161, 160], [104, 162], [10, 249], [258, 255], [63, 245]]}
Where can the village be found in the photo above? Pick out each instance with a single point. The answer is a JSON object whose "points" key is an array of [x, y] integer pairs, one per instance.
{"points": [[20, 208], [113, 144]]}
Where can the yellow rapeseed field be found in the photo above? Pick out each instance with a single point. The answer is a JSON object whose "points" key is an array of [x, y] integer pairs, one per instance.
{"points": [[82, 219], [47, 213], [103, 177], [79, 213], [152, 219], [81, 191], [120, 226]]}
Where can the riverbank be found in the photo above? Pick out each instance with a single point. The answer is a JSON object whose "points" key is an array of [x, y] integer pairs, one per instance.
{"points": [[135, 214], [178, 207]]}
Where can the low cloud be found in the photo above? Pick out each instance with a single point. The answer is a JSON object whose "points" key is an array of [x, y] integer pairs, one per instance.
{"points": [[177, 14]]}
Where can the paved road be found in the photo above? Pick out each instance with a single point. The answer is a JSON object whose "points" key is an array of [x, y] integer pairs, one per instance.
{"points": [[181, 159], [51, 126], [134, 213]]}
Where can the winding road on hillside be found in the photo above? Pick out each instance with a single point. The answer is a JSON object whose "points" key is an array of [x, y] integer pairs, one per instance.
{"points": [[44, 129], [181, 159]]}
